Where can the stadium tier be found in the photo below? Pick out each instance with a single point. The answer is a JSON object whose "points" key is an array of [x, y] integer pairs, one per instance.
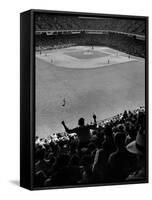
{"points": [[57, 31], [59, 22], [117, 41]]}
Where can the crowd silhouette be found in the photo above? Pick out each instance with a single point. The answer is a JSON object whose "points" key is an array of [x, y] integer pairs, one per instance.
{"points": [[110, 151]]}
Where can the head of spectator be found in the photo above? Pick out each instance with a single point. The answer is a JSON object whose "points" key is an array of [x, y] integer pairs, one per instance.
{"points": [[108, 135], [138, 147], [104, 153], [81, 122], [100, 138], [119, 140], [131, 132], [125, 114], [73, 147], [121, 127], [91, 147], [108, 130]]}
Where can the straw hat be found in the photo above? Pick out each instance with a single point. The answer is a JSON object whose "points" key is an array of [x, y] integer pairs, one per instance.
{"points": [[138, 146]]}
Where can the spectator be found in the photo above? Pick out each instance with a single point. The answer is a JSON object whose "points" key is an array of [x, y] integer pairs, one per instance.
{"points": [[61, 175], [120, 161], [138, 148], [100, 165], [83, 131], [114, 152]]}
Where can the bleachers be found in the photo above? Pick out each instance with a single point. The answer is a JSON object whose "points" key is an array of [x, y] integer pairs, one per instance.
{"points": [[54, 22]]}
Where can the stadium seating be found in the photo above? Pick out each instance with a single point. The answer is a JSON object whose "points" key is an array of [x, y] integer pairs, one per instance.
{"points": [[53, 22], [60, 161], [117, 41], [113, 38]]}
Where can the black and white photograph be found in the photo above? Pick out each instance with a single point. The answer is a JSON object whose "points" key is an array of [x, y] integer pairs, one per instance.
{"points": [[76, 100], [90, 100]]}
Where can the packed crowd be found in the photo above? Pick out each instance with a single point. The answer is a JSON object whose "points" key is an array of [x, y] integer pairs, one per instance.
{"points": [[109, 151], [63, 22], [117, 41]]}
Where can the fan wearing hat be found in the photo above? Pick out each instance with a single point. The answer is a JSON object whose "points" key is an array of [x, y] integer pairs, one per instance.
{"points": [[138, 147], [121, 162]]}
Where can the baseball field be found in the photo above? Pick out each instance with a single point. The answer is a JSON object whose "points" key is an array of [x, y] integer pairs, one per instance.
{"points": [[78, 81]]}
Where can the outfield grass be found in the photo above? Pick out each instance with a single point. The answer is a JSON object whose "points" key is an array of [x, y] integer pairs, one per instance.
{"points": [[105, 91]]}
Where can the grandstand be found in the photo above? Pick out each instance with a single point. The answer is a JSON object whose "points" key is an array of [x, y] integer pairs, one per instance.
{"points": [[122, 34], [55, 22]]}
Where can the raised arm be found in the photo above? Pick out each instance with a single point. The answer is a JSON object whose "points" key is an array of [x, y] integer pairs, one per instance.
{"points": [[94, 125], [67, 129]]}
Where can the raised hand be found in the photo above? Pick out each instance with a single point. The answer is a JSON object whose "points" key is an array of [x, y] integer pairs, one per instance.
{"points": [[94, 116]]}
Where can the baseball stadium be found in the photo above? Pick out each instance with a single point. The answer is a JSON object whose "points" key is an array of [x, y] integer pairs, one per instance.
{"points": [[87, 66]]}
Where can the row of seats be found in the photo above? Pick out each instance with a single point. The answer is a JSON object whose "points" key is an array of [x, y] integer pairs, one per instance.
{"points": [[63, 22]]}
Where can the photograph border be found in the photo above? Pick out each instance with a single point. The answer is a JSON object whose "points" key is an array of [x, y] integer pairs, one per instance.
{"points": [[27, 150]]}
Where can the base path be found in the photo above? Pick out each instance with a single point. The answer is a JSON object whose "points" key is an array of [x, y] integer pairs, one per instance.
{"points": [[83, 57]]}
